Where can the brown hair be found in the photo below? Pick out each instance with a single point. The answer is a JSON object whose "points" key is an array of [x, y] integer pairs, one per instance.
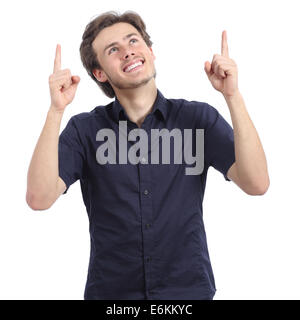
{"points": [[107, 19]]}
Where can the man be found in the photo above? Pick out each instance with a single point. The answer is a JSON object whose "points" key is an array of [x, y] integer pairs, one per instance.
{"points": [[147, 234]]}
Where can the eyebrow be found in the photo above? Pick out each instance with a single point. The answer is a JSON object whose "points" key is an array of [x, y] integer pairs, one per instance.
{"points": [[114, 43]]}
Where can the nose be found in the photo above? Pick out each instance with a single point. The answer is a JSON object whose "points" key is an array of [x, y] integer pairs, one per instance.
{"points": [[128, 53]]}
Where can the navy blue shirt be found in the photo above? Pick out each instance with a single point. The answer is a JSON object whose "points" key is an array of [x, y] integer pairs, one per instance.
{"points": [[147, 234]]}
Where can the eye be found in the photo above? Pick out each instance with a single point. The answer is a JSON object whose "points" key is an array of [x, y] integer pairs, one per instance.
{"points": [[111, 49], [109, 52]]}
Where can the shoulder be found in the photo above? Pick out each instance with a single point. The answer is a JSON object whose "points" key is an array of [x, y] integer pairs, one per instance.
{"points": [[84, 124], [194, 111], [191, 106], [84, 118]]}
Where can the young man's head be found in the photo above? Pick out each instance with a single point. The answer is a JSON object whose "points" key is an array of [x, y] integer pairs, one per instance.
{"points": [[111, 43]]}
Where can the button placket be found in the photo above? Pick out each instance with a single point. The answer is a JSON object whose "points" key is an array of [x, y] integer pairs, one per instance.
{"points": [[146, 216]]}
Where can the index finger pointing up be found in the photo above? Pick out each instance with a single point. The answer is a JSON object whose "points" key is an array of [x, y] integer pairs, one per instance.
{"points": [[57, 60], [224, 50]]}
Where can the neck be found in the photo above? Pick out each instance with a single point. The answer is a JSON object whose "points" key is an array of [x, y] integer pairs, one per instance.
{"points": [[138, 102]]}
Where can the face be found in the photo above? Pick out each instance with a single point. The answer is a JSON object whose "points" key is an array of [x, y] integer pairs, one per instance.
{"points": [[127, 47]]}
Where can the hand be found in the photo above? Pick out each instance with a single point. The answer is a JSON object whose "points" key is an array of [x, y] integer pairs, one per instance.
{"points": [[222, 72], [62, 84]]}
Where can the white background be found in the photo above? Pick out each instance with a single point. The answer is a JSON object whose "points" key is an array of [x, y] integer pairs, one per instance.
{"points": [[253, 240]]}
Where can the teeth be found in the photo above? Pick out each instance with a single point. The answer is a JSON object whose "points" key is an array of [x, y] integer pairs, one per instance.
{"points": [[133, 66]]}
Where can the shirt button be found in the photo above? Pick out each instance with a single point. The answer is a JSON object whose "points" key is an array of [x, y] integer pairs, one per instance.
{"points": [[148, 225], [146, 192], [143, 160]]}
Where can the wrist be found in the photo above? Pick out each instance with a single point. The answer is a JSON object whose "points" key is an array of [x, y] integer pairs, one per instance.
{"points": [[54, 110], [54, 113], [234, 97]]}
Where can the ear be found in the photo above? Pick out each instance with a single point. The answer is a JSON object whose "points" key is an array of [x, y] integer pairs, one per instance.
{"points": [[152, 53], [100, 75]]}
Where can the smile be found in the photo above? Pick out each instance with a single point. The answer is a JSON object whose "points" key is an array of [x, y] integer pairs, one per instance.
{"points": [[134, 67]]}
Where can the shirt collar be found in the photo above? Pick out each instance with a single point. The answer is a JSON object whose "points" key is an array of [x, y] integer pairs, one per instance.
{"points": [[160, 106]]}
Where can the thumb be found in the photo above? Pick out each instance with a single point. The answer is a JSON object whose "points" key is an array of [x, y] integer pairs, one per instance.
{"points": [[75, 80], [207, 68]]}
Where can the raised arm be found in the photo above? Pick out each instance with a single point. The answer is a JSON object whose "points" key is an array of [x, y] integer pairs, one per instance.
{"points": [[44, 185]]}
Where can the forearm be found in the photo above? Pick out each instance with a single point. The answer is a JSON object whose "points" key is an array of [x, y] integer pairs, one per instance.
{"points": [[43, 173], [250, 157]]}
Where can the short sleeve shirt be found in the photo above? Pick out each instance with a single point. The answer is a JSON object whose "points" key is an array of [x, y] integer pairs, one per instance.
{"points": [[148, 239]]}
